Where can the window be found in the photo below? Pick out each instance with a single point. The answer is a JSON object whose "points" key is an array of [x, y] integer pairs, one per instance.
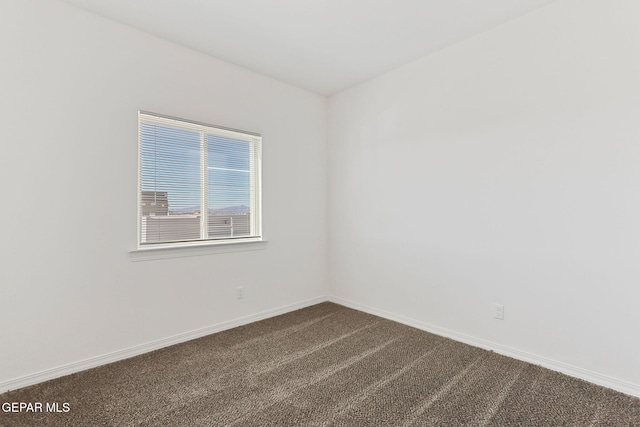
{"points": [[197, 183]]}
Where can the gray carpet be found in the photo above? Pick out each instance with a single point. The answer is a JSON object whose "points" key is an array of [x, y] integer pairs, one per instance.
{"points": [[325, 365]]}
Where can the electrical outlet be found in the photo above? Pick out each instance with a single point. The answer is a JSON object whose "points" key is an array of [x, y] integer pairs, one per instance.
{"points": [[239, 292], [498, 311]]}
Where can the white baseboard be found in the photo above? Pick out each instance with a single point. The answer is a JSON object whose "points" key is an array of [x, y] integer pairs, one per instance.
{"points": [[115, 356], [574, 371]]}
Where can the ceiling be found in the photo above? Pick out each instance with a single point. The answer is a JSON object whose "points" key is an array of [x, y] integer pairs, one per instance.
{"points": [[324, 46]]}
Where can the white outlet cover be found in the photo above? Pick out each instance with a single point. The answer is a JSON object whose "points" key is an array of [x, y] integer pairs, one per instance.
{"points": [[498, 311]]}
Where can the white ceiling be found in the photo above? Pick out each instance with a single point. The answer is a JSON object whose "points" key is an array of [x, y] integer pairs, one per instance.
{"points": [[324, 46]]}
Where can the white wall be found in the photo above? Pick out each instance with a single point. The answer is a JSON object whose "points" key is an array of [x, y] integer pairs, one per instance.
{"points": [[72, 84], [503, 169]]}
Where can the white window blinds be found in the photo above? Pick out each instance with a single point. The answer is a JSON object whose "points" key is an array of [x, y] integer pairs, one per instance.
{"points": [[197, 182]]}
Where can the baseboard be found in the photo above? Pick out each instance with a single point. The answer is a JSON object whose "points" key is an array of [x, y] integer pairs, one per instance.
{"points": [[115, 356], [574, 371]]}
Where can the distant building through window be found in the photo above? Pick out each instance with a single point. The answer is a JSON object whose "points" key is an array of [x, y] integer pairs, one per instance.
{"points": [[197, 182], [154, 203]]}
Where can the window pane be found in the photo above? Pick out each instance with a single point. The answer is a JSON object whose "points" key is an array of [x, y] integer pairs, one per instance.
{"points": [[170, 183], [228, 186], [197, 182]]}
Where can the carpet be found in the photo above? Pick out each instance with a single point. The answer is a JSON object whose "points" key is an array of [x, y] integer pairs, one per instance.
{"points": [[325, 365]]}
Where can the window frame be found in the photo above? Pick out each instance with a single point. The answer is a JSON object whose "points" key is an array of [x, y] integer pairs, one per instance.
{"points": [[233, 244]]}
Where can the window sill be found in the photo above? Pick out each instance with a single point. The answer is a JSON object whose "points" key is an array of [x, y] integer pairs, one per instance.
{"points": [[195, 249]]}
